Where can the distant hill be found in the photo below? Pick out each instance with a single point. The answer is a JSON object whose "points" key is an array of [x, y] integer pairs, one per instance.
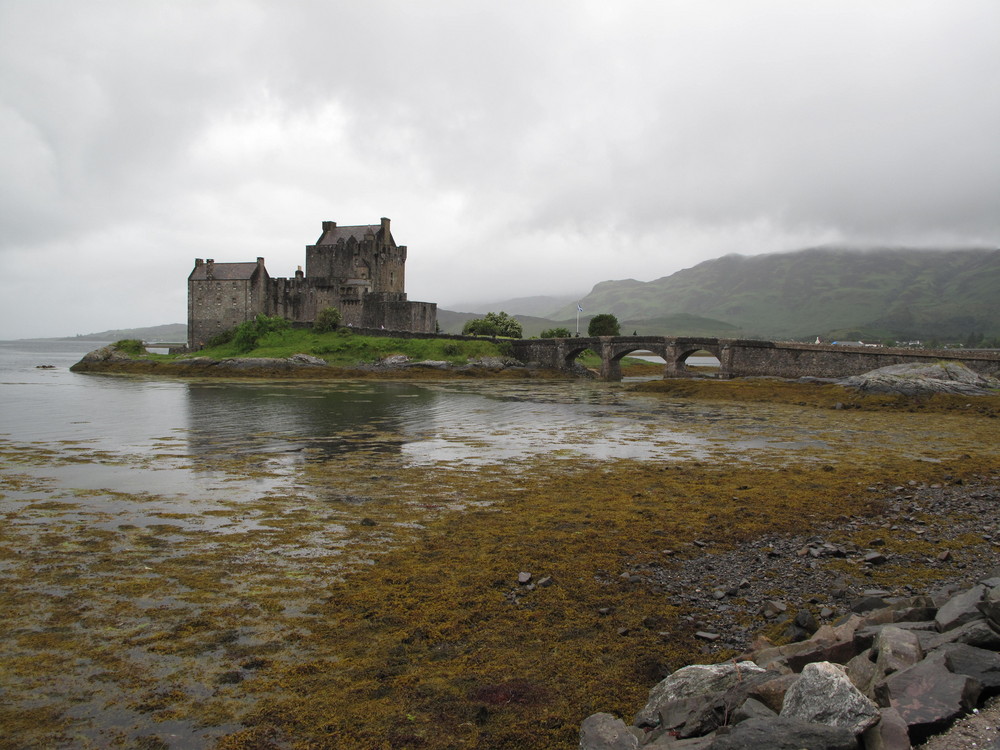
{"points": [[538, 306], [678, 325], [898, 293], [168, 333]]}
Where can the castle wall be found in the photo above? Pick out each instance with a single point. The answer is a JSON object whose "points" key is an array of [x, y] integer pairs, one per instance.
{"points": [[395, 313]]}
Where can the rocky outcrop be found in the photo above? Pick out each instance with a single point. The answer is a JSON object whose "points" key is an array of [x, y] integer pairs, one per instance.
{"points": [[109, 353], [924, 378], [878, 679]]}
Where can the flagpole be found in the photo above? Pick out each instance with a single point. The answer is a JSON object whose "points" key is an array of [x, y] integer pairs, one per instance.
{"points": [[578, 311]]}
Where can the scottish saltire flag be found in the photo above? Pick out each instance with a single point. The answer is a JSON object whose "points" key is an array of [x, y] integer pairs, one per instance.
{"points": [[578, 308]]}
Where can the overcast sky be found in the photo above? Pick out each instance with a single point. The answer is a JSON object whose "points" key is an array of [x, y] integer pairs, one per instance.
{"points": [[519, 148]]}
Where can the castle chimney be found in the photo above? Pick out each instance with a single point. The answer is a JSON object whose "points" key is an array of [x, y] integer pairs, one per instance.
{"points": [[329, 225], [385, 227], [210, 268], [298, 274], [198, 262]]}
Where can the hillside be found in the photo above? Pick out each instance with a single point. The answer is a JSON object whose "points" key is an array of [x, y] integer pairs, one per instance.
{"points": [[874, 293], [171, 332]]}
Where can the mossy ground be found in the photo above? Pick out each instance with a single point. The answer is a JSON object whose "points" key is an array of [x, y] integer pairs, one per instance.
{"points": [[374, 604]]}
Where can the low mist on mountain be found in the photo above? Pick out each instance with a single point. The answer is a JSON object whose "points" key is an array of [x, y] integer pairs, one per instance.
{"points": [[839, 292]]}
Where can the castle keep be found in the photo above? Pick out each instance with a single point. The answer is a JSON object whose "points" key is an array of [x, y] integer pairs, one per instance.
{"points": [[359, 270]]}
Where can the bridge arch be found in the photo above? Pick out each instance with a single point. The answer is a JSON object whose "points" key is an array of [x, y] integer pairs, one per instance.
{"points": [[572, 352], [677, 362]]}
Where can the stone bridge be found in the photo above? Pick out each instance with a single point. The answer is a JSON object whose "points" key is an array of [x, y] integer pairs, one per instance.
{"points": [[743, 358]]}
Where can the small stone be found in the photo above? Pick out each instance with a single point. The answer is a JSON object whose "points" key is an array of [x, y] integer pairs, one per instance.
{"points": [[523, 578], [876, 558], [944, 556], [773, 608], [368, 521], [706, 635], [545, 581]]}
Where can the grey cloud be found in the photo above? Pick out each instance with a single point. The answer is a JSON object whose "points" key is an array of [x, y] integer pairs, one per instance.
{"points": [[550, 129]]}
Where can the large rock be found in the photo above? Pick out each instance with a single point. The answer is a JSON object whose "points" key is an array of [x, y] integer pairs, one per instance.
{"points": [[782, 733], [606, 732], [895, 649], [705, 712], [977, 663], [961, 608], [307, 359], [771, 692], [923, 378], [823, 694], [689, 682], [990, 605], [863, 673], [975, 633], [928, 695], [888, 734], [106, 354], [827, 644]]}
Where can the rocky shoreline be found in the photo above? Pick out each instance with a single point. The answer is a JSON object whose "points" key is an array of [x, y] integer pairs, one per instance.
{"points": [[830, 610], [110, 360]]}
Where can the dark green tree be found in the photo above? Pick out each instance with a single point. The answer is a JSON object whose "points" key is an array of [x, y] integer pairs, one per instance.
{"points": [[555, 333], [493, 324], [604, 324]]}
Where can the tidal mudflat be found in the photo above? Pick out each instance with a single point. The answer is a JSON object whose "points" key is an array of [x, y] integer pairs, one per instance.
{"points": [[360, 587]]}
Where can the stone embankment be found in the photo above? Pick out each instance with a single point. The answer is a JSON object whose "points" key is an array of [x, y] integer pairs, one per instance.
{"points": [[886, 671]]}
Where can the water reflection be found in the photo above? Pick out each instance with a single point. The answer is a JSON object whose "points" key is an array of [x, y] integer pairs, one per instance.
{"points": [[328, 419]]}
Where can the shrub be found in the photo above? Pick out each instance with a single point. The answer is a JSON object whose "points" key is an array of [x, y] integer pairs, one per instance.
{"points": [[555, 333], [493, 324], [247, 334], [221, 339], [132, 347], [327, 319]]}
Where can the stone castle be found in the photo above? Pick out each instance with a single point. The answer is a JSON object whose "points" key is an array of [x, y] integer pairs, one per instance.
{"points": [[359, 270]]}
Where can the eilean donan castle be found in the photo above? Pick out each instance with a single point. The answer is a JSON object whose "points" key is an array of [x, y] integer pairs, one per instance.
{"points": [[358, 270]]}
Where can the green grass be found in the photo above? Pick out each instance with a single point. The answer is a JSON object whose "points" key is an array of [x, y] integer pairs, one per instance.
{"points": [[345, 349]]}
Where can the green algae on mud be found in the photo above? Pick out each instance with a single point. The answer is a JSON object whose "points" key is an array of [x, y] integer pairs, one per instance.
{"points": [[377, 604]]}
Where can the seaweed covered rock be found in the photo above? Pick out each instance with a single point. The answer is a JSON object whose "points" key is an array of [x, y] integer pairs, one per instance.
{"points": [[924, 378]]}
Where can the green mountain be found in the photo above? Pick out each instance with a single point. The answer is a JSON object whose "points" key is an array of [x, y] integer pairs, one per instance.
{"points": [[899, 293]]}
